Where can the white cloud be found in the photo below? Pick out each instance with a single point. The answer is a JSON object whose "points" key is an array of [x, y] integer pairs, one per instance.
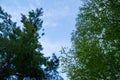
{"points": [[58, 12], [49, 24], [37, 2], [50, 47], [52, 16]]}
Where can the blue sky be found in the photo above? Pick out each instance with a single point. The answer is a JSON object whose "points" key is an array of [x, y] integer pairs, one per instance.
{"points": [[59, 20]]}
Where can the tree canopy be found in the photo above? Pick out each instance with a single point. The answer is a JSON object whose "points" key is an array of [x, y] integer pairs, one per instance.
{"points": [[20, 50], [95, 51]]}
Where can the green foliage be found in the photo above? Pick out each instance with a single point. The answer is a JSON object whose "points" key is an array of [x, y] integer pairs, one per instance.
{"points": [[20, 50], [95, 53]]}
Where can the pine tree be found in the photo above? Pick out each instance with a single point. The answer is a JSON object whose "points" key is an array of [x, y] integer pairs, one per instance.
{"points": [[20, 50]]}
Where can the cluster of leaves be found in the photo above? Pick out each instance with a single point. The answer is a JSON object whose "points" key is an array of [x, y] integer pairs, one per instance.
{"points": [[95, 53], [20, 50]]}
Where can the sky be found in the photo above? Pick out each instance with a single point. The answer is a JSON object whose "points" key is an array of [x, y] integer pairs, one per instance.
{"points": [[58, 20]]}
